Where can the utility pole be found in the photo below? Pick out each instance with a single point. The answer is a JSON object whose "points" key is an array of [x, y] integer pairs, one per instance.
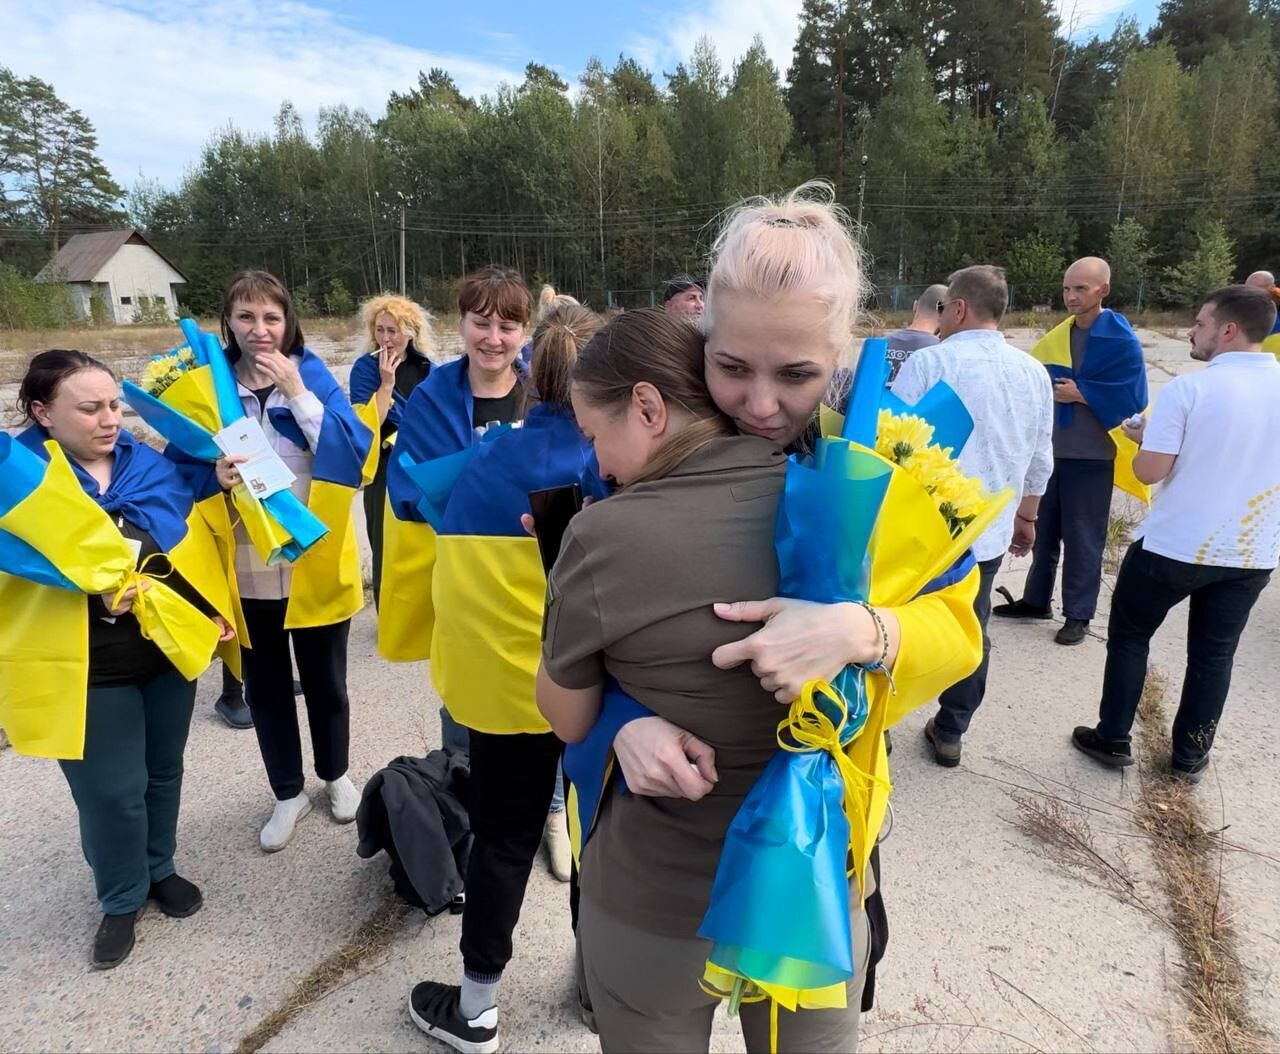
{"points": [[403, 282], [862, 189]]}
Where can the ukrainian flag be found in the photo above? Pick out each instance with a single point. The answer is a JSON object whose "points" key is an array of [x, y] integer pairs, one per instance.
{"points": [[57, 543], [488, 587], [1113, 380], [436, 422], [1272, 342]]}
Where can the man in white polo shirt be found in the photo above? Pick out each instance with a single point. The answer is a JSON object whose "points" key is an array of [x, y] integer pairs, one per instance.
{"points": [[1213, 533]]}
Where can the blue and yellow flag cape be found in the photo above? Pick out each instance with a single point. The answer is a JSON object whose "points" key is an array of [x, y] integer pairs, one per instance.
{"points": [[326, 585], [1272, 342], [436, 422], [488, 587], [58, 542], [1113, 380]]}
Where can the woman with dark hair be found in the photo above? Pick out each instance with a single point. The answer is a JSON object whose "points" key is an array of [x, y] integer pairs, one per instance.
{"points": [[487, 590], [127, 777], [312, 427]]}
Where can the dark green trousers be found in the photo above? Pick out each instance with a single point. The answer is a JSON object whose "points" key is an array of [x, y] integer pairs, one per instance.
{"points": [[128, 787]]}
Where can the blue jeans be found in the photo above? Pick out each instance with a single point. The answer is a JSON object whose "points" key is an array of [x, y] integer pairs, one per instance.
{"points": [[455, 737], [1148, 587]]}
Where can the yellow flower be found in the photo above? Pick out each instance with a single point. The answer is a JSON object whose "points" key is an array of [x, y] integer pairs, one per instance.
{"points": [[931, 466], [899, 436], [163, 370]]}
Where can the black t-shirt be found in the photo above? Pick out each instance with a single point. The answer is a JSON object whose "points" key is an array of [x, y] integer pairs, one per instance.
{"points": [[502, 410], [263, 395], [118, 652]]}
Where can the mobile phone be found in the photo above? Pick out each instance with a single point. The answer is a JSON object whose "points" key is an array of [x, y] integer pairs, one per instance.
{"points": [[552, 510]]}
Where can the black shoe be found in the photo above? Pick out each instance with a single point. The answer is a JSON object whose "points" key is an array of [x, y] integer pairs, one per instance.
{"points": [[114, 940], [1114, 753], [1073, 631], [434, 1009], [234, 710], [176, 897], [1019, 608], [1192, 773], [297, 687], [944, 753]]}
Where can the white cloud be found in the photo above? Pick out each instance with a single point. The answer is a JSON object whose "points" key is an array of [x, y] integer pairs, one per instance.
{"points": [[731, 25], [157, 77]]}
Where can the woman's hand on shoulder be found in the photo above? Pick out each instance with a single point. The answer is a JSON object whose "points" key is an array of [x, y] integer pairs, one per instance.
{"points": [[660, 760], [800, 641]]}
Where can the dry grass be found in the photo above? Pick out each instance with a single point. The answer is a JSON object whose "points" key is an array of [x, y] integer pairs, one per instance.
{"points": [[1189, 863], [337, 971], [1120, 528], [1191, 855]]}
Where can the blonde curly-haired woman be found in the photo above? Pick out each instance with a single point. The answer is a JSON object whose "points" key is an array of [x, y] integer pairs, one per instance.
{"points": [[398, 334]]}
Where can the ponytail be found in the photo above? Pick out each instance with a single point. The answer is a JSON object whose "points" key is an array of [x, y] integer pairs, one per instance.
{"points": [[563, 330]]}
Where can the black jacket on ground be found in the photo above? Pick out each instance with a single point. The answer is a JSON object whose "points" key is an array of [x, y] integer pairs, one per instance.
{"points": [[413, 809]]}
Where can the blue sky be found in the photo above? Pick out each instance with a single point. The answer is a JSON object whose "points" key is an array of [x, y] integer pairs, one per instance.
{"points": [[157, 77]]}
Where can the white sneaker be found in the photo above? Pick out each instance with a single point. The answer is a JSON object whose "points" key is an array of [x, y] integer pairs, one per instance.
{"points": [[556, 835], [344, 799], [279, 829]]}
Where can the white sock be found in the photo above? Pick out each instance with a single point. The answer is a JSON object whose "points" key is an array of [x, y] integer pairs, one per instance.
{"points": [[477, 996]]}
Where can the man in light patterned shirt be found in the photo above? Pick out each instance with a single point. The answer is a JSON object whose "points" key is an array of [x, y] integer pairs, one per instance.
{"points": [[1010, 398]]}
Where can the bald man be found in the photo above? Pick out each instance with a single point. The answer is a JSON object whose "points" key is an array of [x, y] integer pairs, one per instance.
{"points": [[926, 316], [1263, 280], [1100, 384]]}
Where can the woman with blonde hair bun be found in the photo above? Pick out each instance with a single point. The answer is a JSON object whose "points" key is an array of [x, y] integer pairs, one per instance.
{"points": [[785, 290], [399, 344]]}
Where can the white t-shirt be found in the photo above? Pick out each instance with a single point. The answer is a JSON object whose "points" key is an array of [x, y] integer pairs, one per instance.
{"points": [[1221, 503]]}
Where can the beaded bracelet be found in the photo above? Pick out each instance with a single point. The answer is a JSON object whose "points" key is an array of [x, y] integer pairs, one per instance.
{"points": [[879, 665]]}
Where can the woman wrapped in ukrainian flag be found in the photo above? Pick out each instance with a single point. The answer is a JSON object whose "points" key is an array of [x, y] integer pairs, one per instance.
{"points": [[487, 589], [312, 426], [105, 682], [782, 301]]}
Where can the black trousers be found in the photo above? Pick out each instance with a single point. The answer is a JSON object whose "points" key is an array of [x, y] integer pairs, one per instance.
{"points": [[1150, 585], [374, 497], [1073, 518], [512, 778], [321, 653], [958, 703]]}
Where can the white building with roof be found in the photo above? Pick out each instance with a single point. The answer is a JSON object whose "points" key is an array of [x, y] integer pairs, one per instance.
{"points": [[125, 271]]}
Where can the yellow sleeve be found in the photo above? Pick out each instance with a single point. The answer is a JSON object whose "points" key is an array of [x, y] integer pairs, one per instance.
{"points": [[941, 643]]}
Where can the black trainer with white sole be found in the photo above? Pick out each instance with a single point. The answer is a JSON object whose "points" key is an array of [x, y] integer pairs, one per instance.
{"points": [[434, 1009]]}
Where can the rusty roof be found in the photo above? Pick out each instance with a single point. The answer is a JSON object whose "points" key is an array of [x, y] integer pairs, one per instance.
{"points": [[85, 255]]}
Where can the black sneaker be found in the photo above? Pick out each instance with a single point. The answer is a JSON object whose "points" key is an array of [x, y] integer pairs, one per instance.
{"points": [[1192, 773], [233, 709], [176, 897], [434, 1009], [1114, 753], [1020, 608], [114, 940], [1074, 631]]}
